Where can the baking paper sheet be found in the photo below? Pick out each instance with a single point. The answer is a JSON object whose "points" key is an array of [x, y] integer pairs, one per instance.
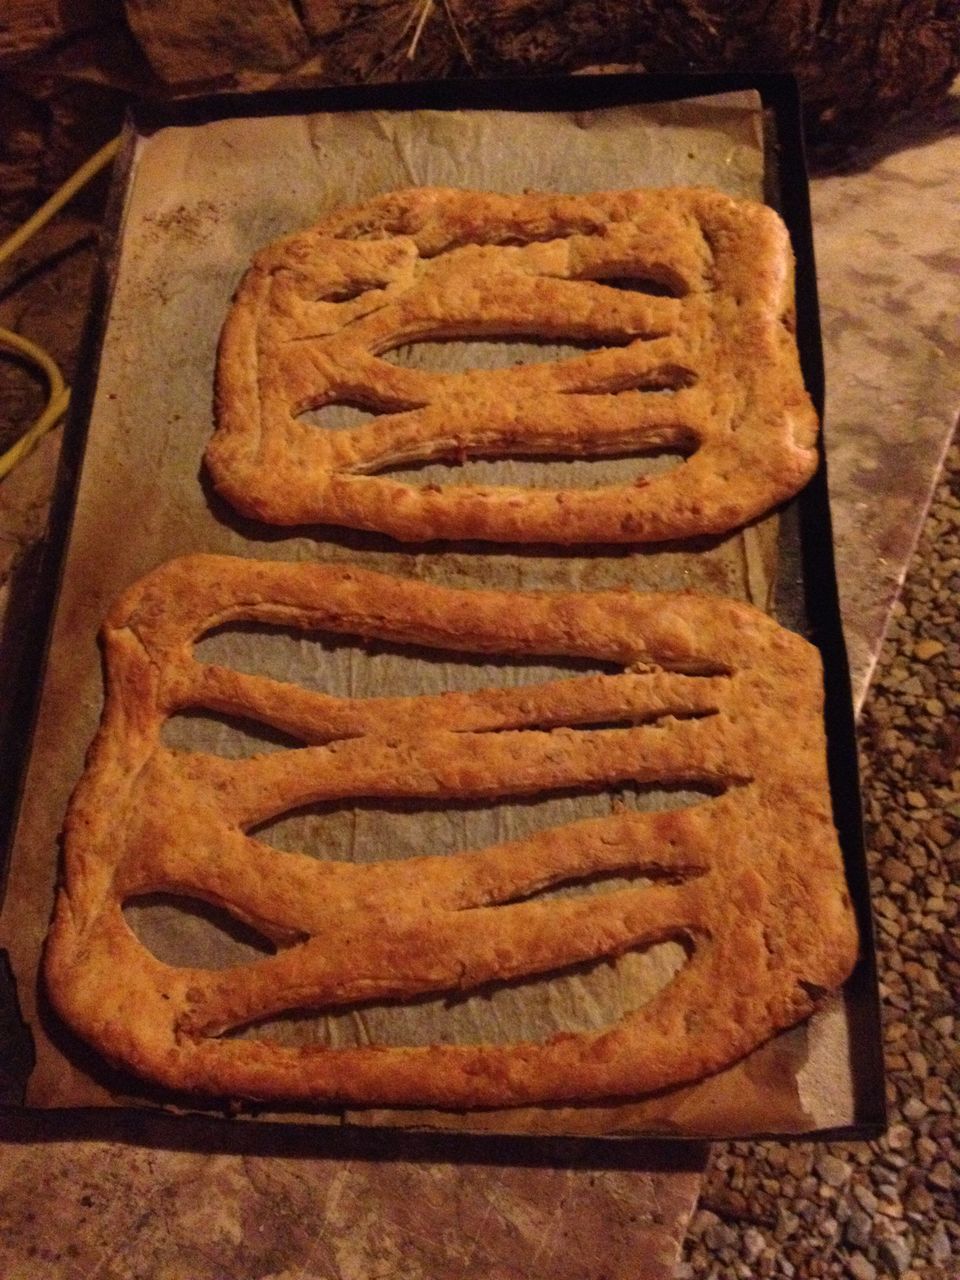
{"points": [[200, 201]]}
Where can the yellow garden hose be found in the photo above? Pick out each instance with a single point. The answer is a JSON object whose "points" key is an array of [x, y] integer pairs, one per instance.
{"points": [[58, 393]]}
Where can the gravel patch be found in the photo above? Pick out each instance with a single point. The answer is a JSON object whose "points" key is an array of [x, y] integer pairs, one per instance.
{"points": [[889, 1208]]}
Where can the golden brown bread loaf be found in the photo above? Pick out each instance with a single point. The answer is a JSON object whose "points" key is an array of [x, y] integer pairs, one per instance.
{"points": [[710, 692], [685, 297]]}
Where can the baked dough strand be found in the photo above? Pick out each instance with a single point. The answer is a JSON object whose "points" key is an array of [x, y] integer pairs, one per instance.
{"points": [[710, 692], [711, 369]]}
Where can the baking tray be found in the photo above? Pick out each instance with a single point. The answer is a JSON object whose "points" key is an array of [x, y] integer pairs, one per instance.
{"points": [[805, 587]]}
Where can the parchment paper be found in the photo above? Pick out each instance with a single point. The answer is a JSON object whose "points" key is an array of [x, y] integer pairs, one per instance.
{"points": [[200, 201]]}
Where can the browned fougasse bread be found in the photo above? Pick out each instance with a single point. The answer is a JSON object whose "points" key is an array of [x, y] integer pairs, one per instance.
{"points": [[704, 691], [684, 297]]}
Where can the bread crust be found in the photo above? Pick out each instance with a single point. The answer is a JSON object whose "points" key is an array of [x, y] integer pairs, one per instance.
{"points": [[711, 692], [712, 368]]}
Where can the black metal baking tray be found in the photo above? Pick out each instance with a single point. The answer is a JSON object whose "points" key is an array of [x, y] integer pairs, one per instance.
{"points": [[807, 569]]}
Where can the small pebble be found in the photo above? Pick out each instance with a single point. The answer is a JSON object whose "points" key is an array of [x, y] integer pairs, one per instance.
{"points": [[719, 1236], [895, 871], [940, 1248], [919, 1200], [915, 1109], [860, 1268], [832, 1171], [799, 1162], [865, 1198], [895, 1254], [941, 1176], [858, 1229], [926, 1149], [933, 1092], [918, 1064], [927, 649], [787, 1224], [753, 1244], [899, 1137]]}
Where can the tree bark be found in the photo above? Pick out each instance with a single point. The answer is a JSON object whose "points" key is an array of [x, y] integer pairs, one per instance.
{"points": [[860, 63]]}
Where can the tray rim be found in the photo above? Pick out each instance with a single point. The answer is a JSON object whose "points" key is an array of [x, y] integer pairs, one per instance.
{"points": [[780, 99]]}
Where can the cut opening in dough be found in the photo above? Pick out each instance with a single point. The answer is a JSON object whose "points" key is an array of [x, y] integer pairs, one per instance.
{"points": [[218, 734], [332, 663], [181, 930], [578, 999], [377, 830], [457, 354], [538, 473]]}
